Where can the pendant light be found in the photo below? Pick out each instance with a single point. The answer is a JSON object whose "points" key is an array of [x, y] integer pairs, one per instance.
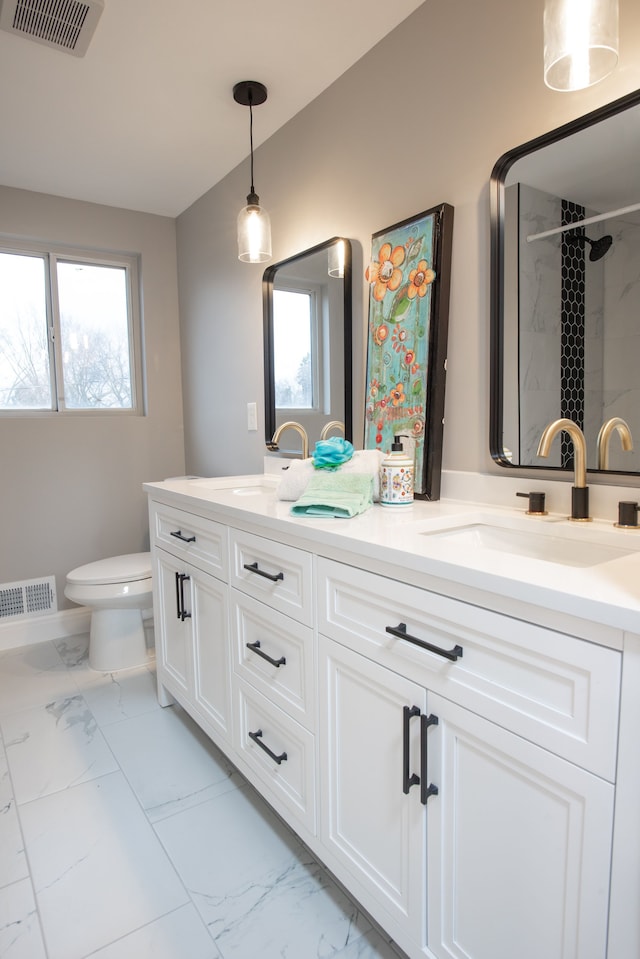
{"points": [[336, 259], [580, 42], [254, 226]]}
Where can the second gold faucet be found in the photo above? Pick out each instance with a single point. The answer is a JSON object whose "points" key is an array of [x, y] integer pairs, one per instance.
{"points": [[604, 436]]}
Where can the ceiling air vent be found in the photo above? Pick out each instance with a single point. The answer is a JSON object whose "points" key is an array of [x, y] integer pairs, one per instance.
{"points": [[67, 25]]}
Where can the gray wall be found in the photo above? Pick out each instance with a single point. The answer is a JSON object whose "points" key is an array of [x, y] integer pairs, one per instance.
{"points": [[72, 485], [419, 120]]}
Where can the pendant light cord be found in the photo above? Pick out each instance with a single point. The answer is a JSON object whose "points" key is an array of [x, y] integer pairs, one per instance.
{"points": [[251, 138]]}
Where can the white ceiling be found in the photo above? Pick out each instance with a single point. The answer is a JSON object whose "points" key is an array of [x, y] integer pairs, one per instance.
{"points": [[146, 119]]}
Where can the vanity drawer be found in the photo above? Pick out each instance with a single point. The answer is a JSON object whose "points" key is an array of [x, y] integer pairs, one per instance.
{"points": [[553, 689], [200, 541], [276, 574], [265, 736], [286, 676]]}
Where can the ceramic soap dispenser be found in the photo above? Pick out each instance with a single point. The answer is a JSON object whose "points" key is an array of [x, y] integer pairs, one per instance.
{"points": [[396, 477]]}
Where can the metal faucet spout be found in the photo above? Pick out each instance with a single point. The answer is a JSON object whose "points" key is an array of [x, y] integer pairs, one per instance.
{"points": [[580, 490], [604, 436], [332, 425], [291, 424]]}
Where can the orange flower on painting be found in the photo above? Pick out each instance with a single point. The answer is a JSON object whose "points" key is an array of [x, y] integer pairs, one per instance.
{"points": [[397, 395], [385, 275], [380, 334], [419, 280]]}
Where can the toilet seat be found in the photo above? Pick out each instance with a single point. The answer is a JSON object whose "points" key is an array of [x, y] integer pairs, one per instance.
{"points": [[115, 569]]}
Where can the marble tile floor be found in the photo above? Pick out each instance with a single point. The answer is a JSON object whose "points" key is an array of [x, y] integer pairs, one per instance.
{"points": [[125, 834]]}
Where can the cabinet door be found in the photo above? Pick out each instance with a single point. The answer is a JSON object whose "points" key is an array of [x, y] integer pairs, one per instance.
{"points": [[519, 846], [208, 605], [173, 632], [373, 829]]}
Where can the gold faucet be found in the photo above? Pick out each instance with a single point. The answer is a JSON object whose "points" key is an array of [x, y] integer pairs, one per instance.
{"points": [[580, 490], [291, 425], [331, 425], [604, 436]]}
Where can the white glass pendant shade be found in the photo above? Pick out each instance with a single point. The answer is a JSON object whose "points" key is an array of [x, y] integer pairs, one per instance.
{"points": [[580, 42], [336, 259], [254, 232]]}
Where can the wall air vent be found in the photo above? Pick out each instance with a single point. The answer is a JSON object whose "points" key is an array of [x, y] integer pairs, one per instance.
{"points": [[31, 597], [67, 25]]}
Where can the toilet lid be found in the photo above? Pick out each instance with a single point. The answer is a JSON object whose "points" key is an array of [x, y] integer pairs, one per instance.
{"points": [[116, 569]]}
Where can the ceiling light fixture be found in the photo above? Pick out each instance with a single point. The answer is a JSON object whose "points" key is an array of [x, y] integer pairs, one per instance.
{"points": [[580, 42], [254, 226]]}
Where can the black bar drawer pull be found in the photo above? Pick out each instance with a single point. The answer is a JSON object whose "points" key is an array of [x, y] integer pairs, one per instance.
{"points": [[430, 790], [408, 779], [257, 738], [178, 606], [274, 662], [183, 613], [253, 568], [400, 632], [185, 539]]}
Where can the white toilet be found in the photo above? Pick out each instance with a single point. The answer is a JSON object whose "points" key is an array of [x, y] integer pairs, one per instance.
{"points": [[116, 590]]}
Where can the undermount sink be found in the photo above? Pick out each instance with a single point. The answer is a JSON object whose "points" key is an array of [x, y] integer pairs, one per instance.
{"points": [[253, 487], [249, 490], [541, 544]]}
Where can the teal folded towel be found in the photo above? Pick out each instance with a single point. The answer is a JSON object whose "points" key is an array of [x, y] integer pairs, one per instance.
{"points": [[335, 494]]}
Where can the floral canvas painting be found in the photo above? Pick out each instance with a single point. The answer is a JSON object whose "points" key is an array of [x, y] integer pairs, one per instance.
{"points": [[407, 327]]}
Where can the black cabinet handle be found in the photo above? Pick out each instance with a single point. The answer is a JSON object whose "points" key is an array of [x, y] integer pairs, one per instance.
{"points": [[257, 738], [253, 568], [183, 613], [185, 539], [178, 606], [256, 649], [400, 632], [430, 790], [408, 779]]}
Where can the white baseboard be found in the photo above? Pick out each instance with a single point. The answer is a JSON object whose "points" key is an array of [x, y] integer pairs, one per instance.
{"points": [[38, 629]]}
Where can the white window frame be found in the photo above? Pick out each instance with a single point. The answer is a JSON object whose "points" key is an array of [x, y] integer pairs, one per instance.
{"points": [[52, 254]]}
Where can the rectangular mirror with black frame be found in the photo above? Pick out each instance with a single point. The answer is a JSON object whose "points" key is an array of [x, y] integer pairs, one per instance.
{"points": [[565, 284], [307, 311]]}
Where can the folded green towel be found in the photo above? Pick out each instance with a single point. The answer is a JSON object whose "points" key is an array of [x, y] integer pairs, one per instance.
{"points": [[335, 494]]}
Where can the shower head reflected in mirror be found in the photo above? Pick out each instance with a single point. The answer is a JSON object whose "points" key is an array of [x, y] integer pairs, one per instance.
{"points": [[598, 247]]}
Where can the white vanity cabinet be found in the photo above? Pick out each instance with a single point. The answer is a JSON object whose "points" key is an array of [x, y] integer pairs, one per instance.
{"points": [[191, 615], [449, 826], [456, 767]]}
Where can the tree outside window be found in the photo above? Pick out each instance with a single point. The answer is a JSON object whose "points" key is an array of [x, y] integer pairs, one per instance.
{"points": [[67, 334]]}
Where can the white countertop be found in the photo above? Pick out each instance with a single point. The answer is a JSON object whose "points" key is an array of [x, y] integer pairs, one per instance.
{"points": [[607, 593]]}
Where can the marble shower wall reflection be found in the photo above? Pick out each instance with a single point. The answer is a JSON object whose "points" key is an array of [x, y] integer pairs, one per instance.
{"points": [[608, 353]]}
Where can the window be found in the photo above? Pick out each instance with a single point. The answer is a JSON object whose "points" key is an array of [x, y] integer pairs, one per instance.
{"points": [[69, 332], [296, 349]]}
